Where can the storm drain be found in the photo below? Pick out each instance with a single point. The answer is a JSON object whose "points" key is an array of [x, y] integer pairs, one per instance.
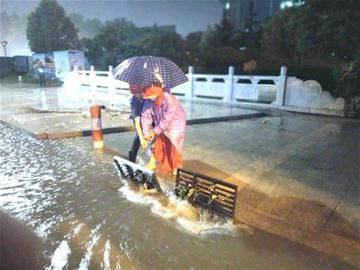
{"points": [[137, 173], [213, 194]]}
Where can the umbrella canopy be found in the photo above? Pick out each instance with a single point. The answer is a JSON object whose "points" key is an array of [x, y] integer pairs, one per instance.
{"points": [[144, 70]]}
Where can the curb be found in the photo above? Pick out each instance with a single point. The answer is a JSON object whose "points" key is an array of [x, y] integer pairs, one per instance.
{"points": [[344, 249]]}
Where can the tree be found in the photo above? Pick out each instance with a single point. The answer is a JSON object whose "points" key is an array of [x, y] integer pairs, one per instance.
{"points": [[208, 38], [218, 59], [337, 33], [120, 39], [163, 43], [325, 30], [49, 29], [114, 43], [290, 34], [88, 28], [251, 22], [223, 31], [192, 48]]}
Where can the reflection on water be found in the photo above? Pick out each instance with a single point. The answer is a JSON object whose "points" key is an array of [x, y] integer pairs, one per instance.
{"points": [[88, 218]]}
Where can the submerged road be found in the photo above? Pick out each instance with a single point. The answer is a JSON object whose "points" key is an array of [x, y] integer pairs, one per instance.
{"points": [[80, 214]]}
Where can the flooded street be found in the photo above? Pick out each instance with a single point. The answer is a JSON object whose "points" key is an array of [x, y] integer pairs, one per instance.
{"points": [[86, 217]]}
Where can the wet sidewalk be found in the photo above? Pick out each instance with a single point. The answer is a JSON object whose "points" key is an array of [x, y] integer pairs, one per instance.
{"points": [[55, 113], [298, 175]]}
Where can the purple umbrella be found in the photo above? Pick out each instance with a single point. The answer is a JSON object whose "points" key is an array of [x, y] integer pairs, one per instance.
{"points": [[144, 70]]}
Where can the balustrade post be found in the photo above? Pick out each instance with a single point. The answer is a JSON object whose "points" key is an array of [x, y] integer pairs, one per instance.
{"points": [[230, 89], [111, 85], [189, 90], [73, 81], [281, 87], [76, 77], [92, 84]]}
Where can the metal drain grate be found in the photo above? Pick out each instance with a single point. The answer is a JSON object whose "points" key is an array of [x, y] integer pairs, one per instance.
{"points": [[213, 194], [137, 173]]}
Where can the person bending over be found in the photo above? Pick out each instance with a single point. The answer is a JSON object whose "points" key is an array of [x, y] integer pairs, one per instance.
{"points": [[163, 119]]}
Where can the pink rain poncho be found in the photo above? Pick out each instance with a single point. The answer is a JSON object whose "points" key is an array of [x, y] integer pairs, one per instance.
{"points": [[167, 118]]}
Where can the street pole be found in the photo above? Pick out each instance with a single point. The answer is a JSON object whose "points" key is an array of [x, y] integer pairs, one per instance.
{"points": [[4, 43]]}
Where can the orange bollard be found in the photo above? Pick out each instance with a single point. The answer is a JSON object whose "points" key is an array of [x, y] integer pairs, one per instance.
{"points": [[97, 133]]}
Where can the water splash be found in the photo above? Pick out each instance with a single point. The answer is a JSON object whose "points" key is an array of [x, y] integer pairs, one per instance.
{"points": [[190, 219], [107, 255], [60, 258], [94, 237]]}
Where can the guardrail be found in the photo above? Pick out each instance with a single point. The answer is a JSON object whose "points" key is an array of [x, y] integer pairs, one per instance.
{"points": [[230, 87], [286, 93], [227, 88]]}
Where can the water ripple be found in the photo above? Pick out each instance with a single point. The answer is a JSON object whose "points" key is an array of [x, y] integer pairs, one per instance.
{"points": [[69, 196]]}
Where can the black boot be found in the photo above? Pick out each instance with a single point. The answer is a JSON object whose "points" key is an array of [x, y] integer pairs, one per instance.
{"points": [[132, 157], [134, 149]]}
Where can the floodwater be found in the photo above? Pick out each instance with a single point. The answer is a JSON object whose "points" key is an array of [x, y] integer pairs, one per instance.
{"points": [[83, 216]]}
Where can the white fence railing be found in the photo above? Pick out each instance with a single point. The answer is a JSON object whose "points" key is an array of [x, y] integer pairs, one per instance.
{"points": [[287, 93], [227, 88], [230, 87]]}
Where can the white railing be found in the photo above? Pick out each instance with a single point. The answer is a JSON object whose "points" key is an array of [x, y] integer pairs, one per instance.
{"points": [[230, 87], [286, 93], [227, 88], [95, 79]]}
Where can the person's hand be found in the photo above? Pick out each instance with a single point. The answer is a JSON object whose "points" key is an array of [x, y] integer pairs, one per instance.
{"points": [[144, 143], [150, 135]]}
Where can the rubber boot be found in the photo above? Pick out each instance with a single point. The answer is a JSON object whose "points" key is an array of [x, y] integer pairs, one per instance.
{"points": [[132, 157], [134, 149]]}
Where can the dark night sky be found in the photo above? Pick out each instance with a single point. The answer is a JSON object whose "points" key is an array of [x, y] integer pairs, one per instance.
{"points": [[187, 15]]}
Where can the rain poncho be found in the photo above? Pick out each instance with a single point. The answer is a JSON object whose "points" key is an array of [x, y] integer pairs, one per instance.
{"points": [[136, 105], [167, 118]]}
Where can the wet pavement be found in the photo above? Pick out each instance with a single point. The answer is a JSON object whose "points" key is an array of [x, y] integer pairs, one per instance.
{"points": [[298, 178], [298, 175], [60, 112]]}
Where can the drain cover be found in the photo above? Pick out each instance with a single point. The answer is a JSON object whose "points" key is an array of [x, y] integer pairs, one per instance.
{"points": [[137, 173], [213, 194]]}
